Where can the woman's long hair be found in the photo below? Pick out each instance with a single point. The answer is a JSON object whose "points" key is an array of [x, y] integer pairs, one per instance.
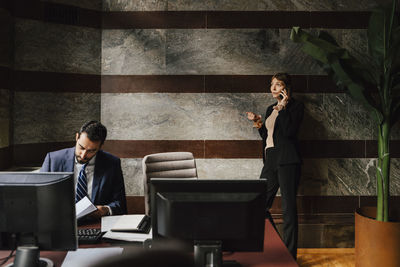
{"points": [[284, 77]]}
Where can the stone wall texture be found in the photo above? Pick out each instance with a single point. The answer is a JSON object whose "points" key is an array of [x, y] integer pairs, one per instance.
{"points": [[49, 114], [6, 63]]}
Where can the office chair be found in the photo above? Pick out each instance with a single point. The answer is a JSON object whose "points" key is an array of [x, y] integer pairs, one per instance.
{"points": [[166, 165]]}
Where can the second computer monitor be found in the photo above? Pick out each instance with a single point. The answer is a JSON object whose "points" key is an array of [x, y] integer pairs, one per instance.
{"points": [[231, 212]]}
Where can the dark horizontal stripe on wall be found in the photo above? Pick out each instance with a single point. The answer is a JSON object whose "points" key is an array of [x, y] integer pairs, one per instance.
{"points": [[345, 148], [56, 13], [5, 78], [139, 149], [34, 153], [154, 20], [72, 82], [340, 20], [233, 19], [210, 84], [332, 148], [152, 83], [371, 147], [39, 81], [6, 4], [287, 19], [5, 158], [258, 19], [260, 84], [241, 148]]}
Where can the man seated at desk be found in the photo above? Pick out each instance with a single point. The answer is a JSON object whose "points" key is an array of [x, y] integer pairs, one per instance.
{"points": [[97, 174]]}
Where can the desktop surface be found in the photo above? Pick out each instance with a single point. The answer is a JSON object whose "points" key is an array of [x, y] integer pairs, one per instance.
{"points": [[275, 253]]}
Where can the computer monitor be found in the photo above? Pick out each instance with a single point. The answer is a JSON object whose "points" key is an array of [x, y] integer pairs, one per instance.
{"points": [[37, 212], [211, 215]]}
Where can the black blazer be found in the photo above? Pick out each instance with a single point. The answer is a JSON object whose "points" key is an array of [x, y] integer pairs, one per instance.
{"points": [[286, 128]]}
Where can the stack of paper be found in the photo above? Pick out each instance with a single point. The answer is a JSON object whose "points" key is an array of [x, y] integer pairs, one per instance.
{"points": [[128, 222]]}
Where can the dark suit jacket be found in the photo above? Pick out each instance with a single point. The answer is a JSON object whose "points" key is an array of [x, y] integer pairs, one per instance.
{"points": [[108, 182], [286, 128]]}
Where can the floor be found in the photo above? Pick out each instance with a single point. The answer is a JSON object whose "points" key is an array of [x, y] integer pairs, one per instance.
{"points": [[326, 257]]}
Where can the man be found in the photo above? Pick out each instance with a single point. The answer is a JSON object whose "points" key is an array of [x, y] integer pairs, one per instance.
{"points": [[97, 174]]}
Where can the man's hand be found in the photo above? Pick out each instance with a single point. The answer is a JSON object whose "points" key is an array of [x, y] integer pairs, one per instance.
{"points": [[100, 212]]}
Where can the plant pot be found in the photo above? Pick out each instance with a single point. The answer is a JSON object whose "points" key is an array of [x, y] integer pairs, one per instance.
{"points": [[376, 243]]}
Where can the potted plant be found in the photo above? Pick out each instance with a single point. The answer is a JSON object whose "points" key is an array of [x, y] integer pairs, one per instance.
{"points": [[376, 86]]}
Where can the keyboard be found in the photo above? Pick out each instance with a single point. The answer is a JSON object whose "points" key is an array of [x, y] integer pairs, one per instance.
{"points": [[89, 235]]}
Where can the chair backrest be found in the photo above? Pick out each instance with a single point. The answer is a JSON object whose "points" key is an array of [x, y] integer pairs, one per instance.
{"points": [[166, 165]]}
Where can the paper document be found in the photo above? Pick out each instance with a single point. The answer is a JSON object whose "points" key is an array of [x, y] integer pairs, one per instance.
{"points": [[84, 207], [107, 222], [85, 257], [128, 223], [131, 237]]}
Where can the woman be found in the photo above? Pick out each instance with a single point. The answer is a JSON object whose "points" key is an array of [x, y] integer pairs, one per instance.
{"points": [[281, 154]]}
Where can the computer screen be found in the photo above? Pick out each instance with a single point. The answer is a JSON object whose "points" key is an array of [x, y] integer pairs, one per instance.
{"points": [[38, 210], [199, 212]]}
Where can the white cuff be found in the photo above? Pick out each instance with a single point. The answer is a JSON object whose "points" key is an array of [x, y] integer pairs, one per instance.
{"points": [[109, 210]]}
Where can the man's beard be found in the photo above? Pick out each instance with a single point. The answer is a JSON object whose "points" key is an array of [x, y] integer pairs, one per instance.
{"points": [[80, 161]]}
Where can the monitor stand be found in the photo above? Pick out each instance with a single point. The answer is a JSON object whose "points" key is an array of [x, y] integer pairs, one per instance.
{"points": [[208, 253], [28, 256]]}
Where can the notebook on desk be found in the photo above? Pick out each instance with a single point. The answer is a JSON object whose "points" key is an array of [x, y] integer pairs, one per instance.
{"points": [[111, 222], [137, 223]]}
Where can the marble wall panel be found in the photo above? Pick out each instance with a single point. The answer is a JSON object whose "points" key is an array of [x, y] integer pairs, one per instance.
{"points": [[153, 116], [235, 51], [395, 177], [356, 42], [229, 168], [395, 132], [200, 51], [43, 46], [239, 5], [88, 4], [344, 177], [52, 117], [333, 117], [174, 116], [180, 116], [133, 176], [332, 177], [135, 5], [5, 117], [6, 40], [133, 51], [340, 5], [215, 51]]}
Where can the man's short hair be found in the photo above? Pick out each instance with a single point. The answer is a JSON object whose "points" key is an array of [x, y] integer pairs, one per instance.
{"points": [[95, 131]]}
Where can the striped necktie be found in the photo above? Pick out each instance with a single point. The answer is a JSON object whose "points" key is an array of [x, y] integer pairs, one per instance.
{"points": [[81, 187]]}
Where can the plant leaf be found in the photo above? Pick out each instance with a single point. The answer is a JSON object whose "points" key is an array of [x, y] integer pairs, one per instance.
{"points": [[393, 57], [346, 68], [382, 23], [376, 36]]}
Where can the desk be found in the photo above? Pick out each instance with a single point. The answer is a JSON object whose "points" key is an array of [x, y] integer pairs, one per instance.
{"points": [[275, 253]]}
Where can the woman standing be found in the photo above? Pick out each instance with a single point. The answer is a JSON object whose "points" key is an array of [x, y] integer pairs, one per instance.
{"points": [[281, 154]]}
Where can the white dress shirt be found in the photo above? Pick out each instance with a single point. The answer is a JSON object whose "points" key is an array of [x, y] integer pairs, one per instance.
{"points": [[89, 177]]}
